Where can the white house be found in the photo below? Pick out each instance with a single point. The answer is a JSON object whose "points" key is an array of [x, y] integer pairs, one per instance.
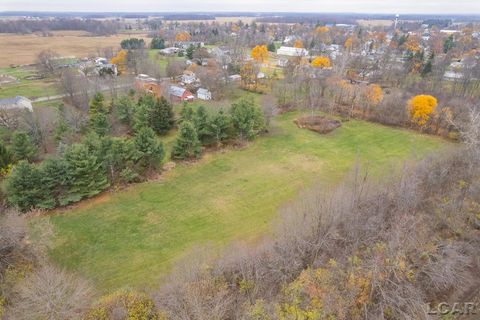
{"points": [[292, 52], [188, 78], [204, 94], [15, 104]]}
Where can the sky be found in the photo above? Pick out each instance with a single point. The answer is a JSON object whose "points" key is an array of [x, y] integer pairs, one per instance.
{"points": [[350, 6]]}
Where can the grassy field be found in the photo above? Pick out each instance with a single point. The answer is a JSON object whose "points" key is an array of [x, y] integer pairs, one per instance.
{"points": [[65, 43], [132, 237], [24, 87], [162, 60]]}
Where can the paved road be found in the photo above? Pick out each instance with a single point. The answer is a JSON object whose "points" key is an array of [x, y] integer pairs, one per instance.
{"points": [[61, 96]]}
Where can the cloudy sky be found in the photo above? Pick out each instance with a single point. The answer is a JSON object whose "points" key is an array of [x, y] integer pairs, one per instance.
{"points": [[361, 6]]}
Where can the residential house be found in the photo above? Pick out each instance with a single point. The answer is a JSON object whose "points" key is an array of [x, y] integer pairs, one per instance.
{"points": [[16, 104], [180, 94], [292, 52], [204, 94], [169, 51], [188, 77]]}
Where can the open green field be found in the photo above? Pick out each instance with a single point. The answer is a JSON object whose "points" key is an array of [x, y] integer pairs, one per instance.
{"points": [[24, 87], [162, 61], [132, 237]]}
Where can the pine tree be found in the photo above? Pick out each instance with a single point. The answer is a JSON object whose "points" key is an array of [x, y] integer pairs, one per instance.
{"points": [[247, 118], [186, 113], [86, 173], [23, 186], [22, 147], [189, 52], [200, 121], [5, 157], [97, 105], [187, 144], [100, 124], [125, 108], [162, 116], [218, 127], [54, 182], [150, 153], [141, 118]]}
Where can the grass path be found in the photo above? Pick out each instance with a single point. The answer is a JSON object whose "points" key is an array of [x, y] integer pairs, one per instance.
{"points": [[131, 238]]}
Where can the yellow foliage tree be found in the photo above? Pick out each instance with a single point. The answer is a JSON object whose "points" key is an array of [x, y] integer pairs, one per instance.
{"points": [[348, 43], [322, 29], [260, 54], [421, 107], [321, 62], [182, 36], [412, 44], [374, 94], [298, 44], [120, 60]]}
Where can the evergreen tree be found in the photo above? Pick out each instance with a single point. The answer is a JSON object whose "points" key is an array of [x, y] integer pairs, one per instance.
{"points": [[125, 108], [218, 127], [54, 182], [162, 116], [186, 113], [100, 124], [427, 68], [187, 144], [23, 186], [448, 44], [200, 120], [86, 173], [141, 117], [247, 119], [150, 153], [22, 147], [119, 154], [5, 158], [189, 52], [97, 105], [157, 43]]}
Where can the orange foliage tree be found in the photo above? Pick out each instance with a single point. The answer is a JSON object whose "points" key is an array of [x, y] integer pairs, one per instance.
{"points": [[182, 36], [260, 54], [421, 107], [298, 44], [120, 60], [321, 62]]}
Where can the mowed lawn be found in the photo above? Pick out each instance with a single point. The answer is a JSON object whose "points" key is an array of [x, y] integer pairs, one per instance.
{"points": [[133, 237]]}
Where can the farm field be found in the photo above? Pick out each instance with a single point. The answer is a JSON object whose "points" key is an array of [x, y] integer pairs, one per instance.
{"points": [[66, 43], [132, 237]]}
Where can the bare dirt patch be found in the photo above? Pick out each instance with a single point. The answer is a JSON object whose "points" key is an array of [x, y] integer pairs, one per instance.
{"points": [[318, 124]]}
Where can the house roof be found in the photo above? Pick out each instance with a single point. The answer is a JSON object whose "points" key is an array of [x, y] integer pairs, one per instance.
{"points": [[203, 91], [15, 103], [292, 51], [176, 91]]}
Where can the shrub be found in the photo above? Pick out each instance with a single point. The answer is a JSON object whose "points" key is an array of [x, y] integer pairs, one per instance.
{"points": [[123, 305]]}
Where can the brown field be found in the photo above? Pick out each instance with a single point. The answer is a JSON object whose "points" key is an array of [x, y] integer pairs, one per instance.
{"points": [[23, 49], [375, 23], [248, 20]]}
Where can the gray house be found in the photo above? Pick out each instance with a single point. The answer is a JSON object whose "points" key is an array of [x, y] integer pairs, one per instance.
{"points": [[16, 104]]}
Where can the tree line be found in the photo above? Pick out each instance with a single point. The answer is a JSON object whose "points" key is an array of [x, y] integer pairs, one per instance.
{"points": [[84, 169]]}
